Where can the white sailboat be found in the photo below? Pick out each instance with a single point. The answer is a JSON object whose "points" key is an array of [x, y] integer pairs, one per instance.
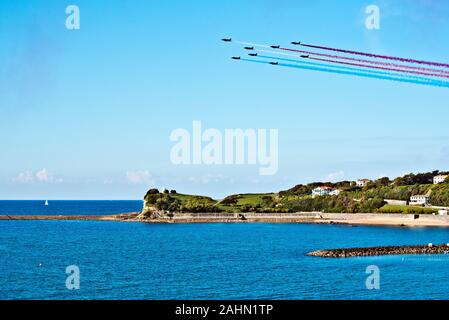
{"points": [[46, 202]]}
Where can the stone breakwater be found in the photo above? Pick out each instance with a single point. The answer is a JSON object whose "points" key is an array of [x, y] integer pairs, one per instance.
{"points": [[381, 251], [118, 217]]}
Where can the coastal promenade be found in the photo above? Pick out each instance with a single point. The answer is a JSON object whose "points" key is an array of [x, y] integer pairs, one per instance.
{"points": [[404, 220]]}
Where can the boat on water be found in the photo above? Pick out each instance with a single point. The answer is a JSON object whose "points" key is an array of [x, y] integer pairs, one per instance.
{"points": [[46, 202]]}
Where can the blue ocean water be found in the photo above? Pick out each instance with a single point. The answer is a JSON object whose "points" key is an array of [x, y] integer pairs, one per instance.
{"points": [[68, 207], [125, 260]]}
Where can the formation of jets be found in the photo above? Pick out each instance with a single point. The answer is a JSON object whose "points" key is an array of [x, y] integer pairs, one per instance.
{"points": [[297, 43]]}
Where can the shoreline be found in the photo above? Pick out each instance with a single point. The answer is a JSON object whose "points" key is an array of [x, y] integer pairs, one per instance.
{"points": [[362, 219]]}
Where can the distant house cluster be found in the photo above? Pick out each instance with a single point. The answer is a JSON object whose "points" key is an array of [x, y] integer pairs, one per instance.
{"points": [[325, 191], [424, 200], [331, 191], [439, 179], [417, 200]]}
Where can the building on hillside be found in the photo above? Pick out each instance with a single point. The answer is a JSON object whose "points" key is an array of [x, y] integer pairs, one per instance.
{"points": [[419, 200], [325, 191], [335, 192], [443, 212], [362, 182], [439, 179]]}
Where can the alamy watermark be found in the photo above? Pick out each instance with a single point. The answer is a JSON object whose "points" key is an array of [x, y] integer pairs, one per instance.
{"points": [[72, 22], [72, 281], [230, 147], [373, 280], [372, 22]]}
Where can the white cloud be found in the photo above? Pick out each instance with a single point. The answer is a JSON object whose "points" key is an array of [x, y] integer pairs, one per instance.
{"points": [[334, 176], [46, 177], [139, 177], [208, 178], [24, 177], [41, 176]]}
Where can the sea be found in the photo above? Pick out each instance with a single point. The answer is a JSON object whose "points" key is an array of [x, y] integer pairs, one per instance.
{"points": [[129, 260]]}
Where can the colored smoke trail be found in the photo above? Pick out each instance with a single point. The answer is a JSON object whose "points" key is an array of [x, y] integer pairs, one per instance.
{"points": [[437, 64], [381, 68], [386, 64], [361, 73], [381, 63], [304, 61], [252, 44]]}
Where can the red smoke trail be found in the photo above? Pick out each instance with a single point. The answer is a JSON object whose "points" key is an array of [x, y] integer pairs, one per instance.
{"points": [[386, 64], [382, 68], [437, 64]]}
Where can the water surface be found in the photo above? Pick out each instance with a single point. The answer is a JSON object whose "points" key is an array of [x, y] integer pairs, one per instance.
{"points": [[211, 261], [68, 207]]}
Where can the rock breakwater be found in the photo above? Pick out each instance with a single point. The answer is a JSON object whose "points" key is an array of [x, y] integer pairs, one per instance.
{"points": [[381, 251]]}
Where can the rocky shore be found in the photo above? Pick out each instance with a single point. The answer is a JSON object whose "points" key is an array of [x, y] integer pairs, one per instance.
{"points": [[381, 251]]}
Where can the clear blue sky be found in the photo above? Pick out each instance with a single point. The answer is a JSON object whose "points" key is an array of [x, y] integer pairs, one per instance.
{"points": [[90, 106]]}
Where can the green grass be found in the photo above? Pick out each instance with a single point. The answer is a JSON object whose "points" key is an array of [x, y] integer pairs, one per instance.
{"points": [[185, 197], [389, 208], [252, 199]]}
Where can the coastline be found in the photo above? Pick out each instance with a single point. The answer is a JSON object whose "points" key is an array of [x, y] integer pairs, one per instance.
{"points": [[367, 219]]}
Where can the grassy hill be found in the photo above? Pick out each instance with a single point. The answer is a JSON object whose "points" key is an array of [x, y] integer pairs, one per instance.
{"points": [[352, 199]]}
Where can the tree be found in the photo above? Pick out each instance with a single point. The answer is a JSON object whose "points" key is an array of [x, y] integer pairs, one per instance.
{"points": [[384, 181], [152, 196]]}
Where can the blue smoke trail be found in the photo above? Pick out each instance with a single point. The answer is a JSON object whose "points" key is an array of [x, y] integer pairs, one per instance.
{"points": [[348, 68], [359, 73]]}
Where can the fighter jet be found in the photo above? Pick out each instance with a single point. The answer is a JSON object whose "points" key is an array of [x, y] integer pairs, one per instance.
{"points": [[296, 43], [248, 48], [274, 63], [236, 58], [275, 47], [226, 39], [305, 56], [253, 54]]}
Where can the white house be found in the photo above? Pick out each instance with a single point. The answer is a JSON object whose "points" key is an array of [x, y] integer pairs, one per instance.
{"points": [[325, 191], [439, 179], [362, 182], [335, 192], [419, 200], [442, 212]]}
